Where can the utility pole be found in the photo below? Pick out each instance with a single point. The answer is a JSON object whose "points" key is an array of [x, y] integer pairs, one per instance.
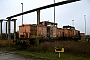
{"points": [[9, 25], [73, 23], [38, 17], [14, 20], [54, 12], [1, 27], [85, 23], [73, 27], [22, 12], [6, 29]]}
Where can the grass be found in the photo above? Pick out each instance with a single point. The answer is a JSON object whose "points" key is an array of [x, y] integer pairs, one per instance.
{"points": [[69, 46], [6, 44], [73, 50], [51, 56]]}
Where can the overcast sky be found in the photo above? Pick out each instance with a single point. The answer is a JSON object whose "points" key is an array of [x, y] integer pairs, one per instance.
{"points": [[64, 13]]}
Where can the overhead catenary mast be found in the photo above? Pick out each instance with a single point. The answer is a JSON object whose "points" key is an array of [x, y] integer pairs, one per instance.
{"points": [[54, 12]]}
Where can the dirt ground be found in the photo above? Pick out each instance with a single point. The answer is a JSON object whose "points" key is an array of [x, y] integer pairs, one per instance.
{"points": [[5, 55]]}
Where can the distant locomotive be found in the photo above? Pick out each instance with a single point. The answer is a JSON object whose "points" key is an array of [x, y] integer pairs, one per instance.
{"points": [[47, 31]]}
